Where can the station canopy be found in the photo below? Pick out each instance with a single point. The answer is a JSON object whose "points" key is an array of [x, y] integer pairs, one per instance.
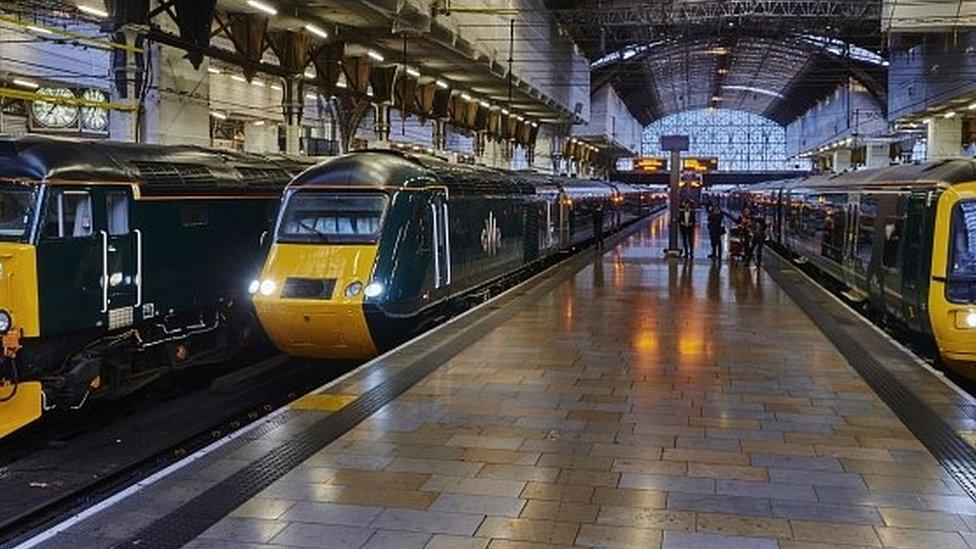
{"points": [[774, 58]]}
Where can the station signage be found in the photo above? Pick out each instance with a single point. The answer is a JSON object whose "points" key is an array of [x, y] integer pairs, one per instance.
{"points": [[700, 164], [650, 165]]}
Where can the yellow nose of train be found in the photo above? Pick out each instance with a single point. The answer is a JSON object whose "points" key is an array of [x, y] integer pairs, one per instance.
{"points": [[309, 300]]}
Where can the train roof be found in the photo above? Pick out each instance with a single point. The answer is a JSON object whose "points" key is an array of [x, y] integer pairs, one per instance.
{"points": [[158, 170], [384, 168], [929, 174]]}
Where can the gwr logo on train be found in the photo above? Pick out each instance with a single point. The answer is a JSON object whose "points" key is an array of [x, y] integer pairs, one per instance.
{"points": [[491, 235]]}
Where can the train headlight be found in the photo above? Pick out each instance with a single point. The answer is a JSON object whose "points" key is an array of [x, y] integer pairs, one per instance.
{"points": [[267, 287], [374, 289], [254, 287], [354, 288], [5, 322], [966, 320]]}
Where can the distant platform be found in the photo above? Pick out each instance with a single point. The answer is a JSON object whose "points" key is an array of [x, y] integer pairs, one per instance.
{"points": [[619, 399]]}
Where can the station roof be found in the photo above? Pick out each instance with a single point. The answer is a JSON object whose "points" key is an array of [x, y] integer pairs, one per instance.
{"points": [[775, 58]]}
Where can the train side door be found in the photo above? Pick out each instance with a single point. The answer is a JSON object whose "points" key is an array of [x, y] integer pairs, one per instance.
{"points": [[122, 250], [440, 216], [69, 261], [912, 260]]}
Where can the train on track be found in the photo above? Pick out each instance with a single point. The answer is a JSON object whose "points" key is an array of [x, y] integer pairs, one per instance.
{"points": [[120, 262], [373, 247], [901, 241]]}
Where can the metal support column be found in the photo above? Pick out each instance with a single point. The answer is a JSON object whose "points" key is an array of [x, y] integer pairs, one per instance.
{"points": [[675, 144], [381, 124], [292, 105]]}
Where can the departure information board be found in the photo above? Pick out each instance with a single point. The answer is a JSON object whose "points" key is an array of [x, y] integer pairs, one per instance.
{"points": [[650, 165], [700, 164]]}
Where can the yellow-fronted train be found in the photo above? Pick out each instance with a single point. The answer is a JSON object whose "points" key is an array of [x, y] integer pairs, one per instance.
{"points": [[901, 240], [119, 263], [375, 246]]}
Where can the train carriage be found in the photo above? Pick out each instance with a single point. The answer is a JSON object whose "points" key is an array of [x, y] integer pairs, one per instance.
{"points": [[374, 246], [901, 239], [121, 262]]}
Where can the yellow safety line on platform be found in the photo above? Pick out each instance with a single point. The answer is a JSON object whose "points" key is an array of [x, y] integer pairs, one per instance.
{"points": [[58, 100], [88, 40], [322, 403]]}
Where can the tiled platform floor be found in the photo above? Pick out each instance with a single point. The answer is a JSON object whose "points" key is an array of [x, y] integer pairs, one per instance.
{"points": [[642, 403]]}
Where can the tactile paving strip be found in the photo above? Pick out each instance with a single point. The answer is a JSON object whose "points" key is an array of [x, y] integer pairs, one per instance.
{"points": [[955, 455]]}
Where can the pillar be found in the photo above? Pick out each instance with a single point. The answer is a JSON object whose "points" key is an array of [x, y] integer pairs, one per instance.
{"points": [[944, 138], [292, 104], [177, 107], [381, 125], [127, 70], [877, 155], [842, 160], [439, 135]]}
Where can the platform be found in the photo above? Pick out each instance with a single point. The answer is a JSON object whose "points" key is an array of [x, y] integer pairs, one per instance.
{"points": [[617, 400]]}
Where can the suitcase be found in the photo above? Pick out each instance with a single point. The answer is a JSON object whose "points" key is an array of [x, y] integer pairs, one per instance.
{"points": [[737, 242]]}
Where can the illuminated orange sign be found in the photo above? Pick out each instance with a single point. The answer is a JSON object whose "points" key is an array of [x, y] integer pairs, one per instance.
{"points": [[701, 165], [650, 165]]}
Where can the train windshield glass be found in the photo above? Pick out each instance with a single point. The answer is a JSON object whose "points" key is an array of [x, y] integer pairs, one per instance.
{"points": [[963, 257], [16, 210], [320, 217]]}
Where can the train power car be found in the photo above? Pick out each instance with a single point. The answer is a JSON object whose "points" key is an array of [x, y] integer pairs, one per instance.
{"points": [[121, 262], [372, 247], [901, 239]]}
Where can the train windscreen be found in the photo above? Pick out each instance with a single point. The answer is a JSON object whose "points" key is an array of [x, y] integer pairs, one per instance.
{"points": [[16, 211], [312, 217], [962, 266]]}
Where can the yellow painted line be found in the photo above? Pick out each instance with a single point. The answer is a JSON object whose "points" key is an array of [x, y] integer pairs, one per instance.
{"points": [[322, 403], [13, 93], [58, 31]]}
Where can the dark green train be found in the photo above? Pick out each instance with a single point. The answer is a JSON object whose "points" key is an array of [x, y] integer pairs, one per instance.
{"points": [[902, 240], [373, 247], [122, 262]]}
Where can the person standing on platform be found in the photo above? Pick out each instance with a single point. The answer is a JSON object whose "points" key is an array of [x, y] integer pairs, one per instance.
{"points": [[686, 223], [758, 240], [716, 228], [598, 226]]}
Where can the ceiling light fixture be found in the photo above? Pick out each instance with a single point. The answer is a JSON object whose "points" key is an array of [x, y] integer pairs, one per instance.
{"points": [[754, 90], [26, 83], [259, 122], [485, 104], [466, 97], [92, 10], [266, 8], [413, 72], [212, 70], [316, 30], [277, 87], [257, 83], [949, 114], [505, 111], [377, 56], [218, 115], [309, 73], [40, 30], [442, 84], [238, 78]]}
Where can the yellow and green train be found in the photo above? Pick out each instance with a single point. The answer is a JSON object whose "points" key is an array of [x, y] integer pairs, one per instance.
{"points": [[902, 240], [373, 247], [119, 263]]}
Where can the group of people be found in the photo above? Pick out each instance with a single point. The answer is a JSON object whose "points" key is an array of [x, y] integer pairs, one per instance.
{"points": [[751, 232]]}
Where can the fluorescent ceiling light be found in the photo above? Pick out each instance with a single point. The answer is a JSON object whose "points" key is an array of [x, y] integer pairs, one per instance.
{"points": [[949, 114], [316, 30], [26, 83], [466, 97], [257, 83], [276, 87], [212, 70], [266, 8], [238, 78], [92, 10], [505, 111], [442, 84], [39, 29], [484, 104], [413, 72], [972, 107], [218, 115], [259, 122], [375, 55], [754, 90]]}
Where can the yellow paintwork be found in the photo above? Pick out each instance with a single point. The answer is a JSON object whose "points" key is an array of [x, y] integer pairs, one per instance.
{"points": [[958, 347], [318, 328], [25, 407], [18, 286], [323, 403]]}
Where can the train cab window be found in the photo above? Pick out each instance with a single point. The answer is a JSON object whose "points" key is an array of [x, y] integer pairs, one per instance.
{"points": [[117, 210], [316, 217], [16, 211], [69, 215], [961, 287]]}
